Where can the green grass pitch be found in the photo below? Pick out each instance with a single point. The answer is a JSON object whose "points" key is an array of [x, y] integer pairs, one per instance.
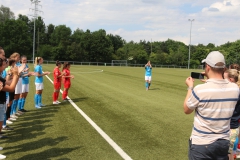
{"points": [[145, 124]]}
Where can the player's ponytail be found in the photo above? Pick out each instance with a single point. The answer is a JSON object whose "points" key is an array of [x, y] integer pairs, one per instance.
{"points": [[37, 59], [57, 63]]}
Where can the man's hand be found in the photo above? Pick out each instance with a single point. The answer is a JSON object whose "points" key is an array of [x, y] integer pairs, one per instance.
{"points": [[203, 80], [189, 82]]}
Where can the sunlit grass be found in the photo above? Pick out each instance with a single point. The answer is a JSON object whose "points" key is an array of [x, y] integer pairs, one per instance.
{"points": [[145, 124]]}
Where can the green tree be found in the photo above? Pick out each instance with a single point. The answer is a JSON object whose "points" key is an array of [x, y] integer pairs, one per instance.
{"points": [[61, 36], [15, 37], [5, 14], [117, 42], [101, 48]]}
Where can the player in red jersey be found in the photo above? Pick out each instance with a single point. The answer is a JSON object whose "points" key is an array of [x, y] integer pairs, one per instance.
{"points": [[57, 76], [66, 80]]}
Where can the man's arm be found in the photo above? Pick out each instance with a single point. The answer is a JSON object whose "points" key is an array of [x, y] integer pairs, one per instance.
{"points": [[189, 83], [185, 107]]}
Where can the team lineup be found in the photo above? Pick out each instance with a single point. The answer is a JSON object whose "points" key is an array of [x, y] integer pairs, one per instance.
{"points": [[14, 86]]}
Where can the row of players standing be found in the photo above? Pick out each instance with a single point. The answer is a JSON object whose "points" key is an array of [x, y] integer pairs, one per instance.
{"points": [[8, 81], [58, 77], [14, 86]]}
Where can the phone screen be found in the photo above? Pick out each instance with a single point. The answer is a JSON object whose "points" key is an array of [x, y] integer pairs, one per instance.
{"points": [[197, 75]]}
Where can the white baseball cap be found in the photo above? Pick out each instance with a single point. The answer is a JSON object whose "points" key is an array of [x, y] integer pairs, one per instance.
{"points": [[213, 58]]}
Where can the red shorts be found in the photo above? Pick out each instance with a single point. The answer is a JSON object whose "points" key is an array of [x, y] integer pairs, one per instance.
{"points": [[67, 85], [57, 85]]}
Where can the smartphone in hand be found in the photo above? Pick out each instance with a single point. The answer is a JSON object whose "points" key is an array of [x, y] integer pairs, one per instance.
{"points": [[197, 75]]}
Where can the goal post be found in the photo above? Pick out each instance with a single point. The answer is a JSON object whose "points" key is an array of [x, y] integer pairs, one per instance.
{"points": [[119, 62]]}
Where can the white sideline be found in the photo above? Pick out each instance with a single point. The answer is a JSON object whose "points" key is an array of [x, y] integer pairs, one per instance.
{"points": [[99, 130]]}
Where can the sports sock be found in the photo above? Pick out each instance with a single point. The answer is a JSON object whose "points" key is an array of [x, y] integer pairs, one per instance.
{"points": [[36, 99], [12, 108], [146, 84], [54, 96], [15, 105], [23, 102], [39, 99], [19, 104], [57, 94], [64, 95]]}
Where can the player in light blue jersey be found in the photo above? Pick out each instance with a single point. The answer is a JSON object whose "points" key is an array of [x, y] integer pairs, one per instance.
{"points": [[148, 75], [18, 89], [25, 84], [39, 81]]}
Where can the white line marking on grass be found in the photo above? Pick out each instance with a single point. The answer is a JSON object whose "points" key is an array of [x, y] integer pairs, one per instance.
{"points": [[99, 130]]}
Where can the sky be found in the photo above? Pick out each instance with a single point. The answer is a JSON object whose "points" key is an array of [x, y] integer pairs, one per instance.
{"points": [[189, 21]]}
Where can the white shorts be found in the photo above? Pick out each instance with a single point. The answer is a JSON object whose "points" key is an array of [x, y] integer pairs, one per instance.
{"points": [[25, 88], [39, 86], [18, 88], [148, 78]]}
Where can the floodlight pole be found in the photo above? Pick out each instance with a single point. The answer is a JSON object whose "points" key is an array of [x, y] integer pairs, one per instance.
{"points": [[35, 15], [191, 20]]}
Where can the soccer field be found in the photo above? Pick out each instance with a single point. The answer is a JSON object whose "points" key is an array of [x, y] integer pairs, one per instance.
{"points": [[143, 124]]}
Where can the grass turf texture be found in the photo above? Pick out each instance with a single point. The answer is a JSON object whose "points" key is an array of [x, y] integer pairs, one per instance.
{"points": [[145, 124]]}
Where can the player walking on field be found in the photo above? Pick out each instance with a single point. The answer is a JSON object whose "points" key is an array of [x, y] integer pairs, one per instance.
{"points": [[39, 81], [148, 75], [66, 80], [57, 76]]}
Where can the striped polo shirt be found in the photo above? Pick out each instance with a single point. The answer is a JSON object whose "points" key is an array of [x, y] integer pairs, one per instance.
{"points": [[214, 103]]}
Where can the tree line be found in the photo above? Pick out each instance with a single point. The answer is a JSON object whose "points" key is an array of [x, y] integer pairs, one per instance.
{"points": [[61, 43]]}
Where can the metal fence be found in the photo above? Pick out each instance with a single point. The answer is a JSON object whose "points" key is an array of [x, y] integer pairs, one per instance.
{"points": [[110, 64]]}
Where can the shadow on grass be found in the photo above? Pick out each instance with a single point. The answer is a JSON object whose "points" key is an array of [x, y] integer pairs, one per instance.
{"points": [[29, 132], [25, 143], [49, 154], [154, 88], [30, 125], [30, 146], [79, 99]]}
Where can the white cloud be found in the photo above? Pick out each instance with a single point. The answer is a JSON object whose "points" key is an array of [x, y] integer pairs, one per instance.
{"points": [[215, 21]]}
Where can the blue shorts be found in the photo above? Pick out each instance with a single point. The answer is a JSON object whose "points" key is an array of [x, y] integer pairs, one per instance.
{"points": [[217, 150], [2, 111]]}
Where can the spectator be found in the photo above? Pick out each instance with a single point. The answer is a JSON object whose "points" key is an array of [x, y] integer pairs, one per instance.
{"points": [[213, 103]]}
